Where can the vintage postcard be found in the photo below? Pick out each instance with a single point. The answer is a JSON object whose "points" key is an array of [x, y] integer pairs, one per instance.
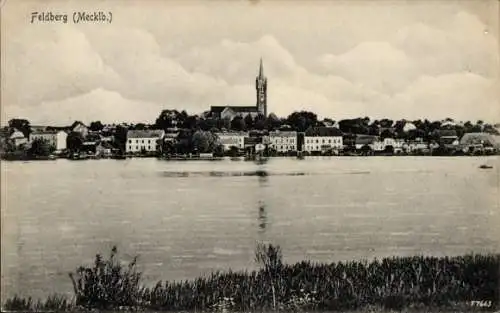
{"points": [[250, 156]]}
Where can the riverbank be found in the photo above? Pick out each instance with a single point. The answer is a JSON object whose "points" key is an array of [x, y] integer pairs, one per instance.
{"points": [[460, 283], [238, 158]]}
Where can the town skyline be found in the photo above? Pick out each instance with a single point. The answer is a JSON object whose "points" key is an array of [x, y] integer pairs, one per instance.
{"points": [[384, 60]]}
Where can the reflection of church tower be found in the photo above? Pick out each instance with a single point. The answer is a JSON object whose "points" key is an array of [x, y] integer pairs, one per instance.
{"points": [[261, 87]]}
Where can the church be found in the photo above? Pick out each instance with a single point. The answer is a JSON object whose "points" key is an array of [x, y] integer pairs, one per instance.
{"points": [[229, 111]]}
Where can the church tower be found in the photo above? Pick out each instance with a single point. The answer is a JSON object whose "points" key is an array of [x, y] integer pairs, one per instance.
{"points": [[261, 87]]}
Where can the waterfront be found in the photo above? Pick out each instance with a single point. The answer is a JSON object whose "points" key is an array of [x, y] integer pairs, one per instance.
{"points": [[189, 218]]}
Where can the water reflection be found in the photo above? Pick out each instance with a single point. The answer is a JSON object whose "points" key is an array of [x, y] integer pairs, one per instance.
{"points": [[259, 173], [262, 219]]}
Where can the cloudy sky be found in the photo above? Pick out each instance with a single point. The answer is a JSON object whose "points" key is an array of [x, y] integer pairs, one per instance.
{"points": [[396, 59]]}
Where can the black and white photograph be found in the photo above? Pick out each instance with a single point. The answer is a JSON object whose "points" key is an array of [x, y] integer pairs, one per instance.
{"points": [[244, 156]]}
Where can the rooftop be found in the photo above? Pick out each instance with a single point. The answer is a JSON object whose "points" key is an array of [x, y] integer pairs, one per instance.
{"points": [[282, 133], [219, 109], [323, 132], [152, 133]]}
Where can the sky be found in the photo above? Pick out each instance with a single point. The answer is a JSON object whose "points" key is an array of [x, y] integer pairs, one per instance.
{"points": [[395, 59]]}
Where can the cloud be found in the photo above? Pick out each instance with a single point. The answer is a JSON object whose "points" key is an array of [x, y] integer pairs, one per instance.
{"points": [[402, 68], [371, 64], [98, 104], [464, 44], [51, 63], [460, 95]]}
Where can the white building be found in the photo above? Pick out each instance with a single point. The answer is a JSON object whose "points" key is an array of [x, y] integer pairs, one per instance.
{"points": [[18, 138], [409, 126], [232, 139], [144, 140], [55, 138], [415, 146], [283, 141], [396, 144], [321, 139]]}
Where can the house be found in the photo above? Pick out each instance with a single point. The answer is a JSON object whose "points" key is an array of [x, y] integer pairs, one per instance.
{"points": [[479, 138], [90, 147], [106, 138], [144, 140], [79, 127], [171, 134], [232, 139], [230, 112], [409, 127], [283, 141], [104, 149], [366, 140], [396, 144], [416, 146], [321, 139], [17, 138], [55, 138]]}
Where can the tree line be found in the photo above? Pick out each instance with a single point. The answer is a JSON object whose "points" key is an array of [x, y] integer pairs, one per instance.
{"points": [[196, 131]]}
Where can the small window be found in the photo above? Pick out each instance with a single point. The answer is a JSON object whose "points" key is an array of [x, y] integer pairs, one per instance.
{"points": [[130, 147], [130, 141]]}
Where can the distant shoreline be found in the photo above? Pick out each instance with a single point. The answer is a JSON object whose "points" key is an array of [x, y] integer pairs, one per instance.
{"points": [[237, 159]]}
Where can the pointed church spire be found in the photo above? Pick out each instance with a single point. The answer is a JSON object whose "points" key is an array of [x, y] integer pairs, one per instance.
{"points": [[261, 69]]}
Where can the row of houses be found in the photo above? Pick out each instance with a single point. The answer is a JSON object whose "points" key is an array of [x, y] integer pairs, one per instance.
{"points": [[322, 139], [54, 136], [313, 140]]}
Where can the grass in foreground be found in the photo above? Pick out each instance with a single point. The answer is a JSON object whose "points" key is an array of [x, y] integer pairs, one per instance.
{"points": [[463, 283]]}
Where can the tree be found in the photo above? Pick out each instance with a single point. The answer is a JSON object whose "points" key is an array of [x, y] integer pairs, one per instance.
{"points": [[355, 126], [140, 126], [219, 150], [249, 121], [386, 133], [74, 141], [168, 147], [184, 141], [120, 136], [191, 122], [238, 123], [204, 141], [96, 126], [300, 121], [260, 122], [23, 125], [273, 122], [40, 147], [207, 124], [165, 120]]}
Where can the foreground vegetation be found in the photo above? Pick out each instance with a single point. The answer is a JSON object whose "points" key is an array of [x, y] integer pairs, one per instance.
{"points": [[391, 283]]}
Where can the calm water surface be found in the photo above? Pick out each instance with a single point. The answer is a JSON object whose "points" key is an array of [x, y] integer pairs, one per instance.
{"points": [[185, 219]]}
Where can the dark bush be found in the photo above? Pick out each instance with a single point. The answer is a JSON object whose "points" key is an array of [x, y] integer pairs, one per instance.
{"points": [[107, 284]]}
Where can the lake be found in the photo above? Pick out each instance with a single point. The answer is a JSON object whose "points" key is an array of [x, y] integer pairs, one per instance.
{"points": [[185, 219]]}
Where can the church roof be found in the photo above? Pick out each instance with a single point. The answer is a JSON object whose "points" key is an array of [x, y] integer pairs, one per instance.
{"points": [[261, 69], [219, 109]]}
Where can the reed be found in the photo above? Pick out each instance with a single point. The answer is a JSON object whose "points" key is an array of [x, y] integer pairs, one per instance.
{"points": [[53, 303], [389, 284], [107, 284]]}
